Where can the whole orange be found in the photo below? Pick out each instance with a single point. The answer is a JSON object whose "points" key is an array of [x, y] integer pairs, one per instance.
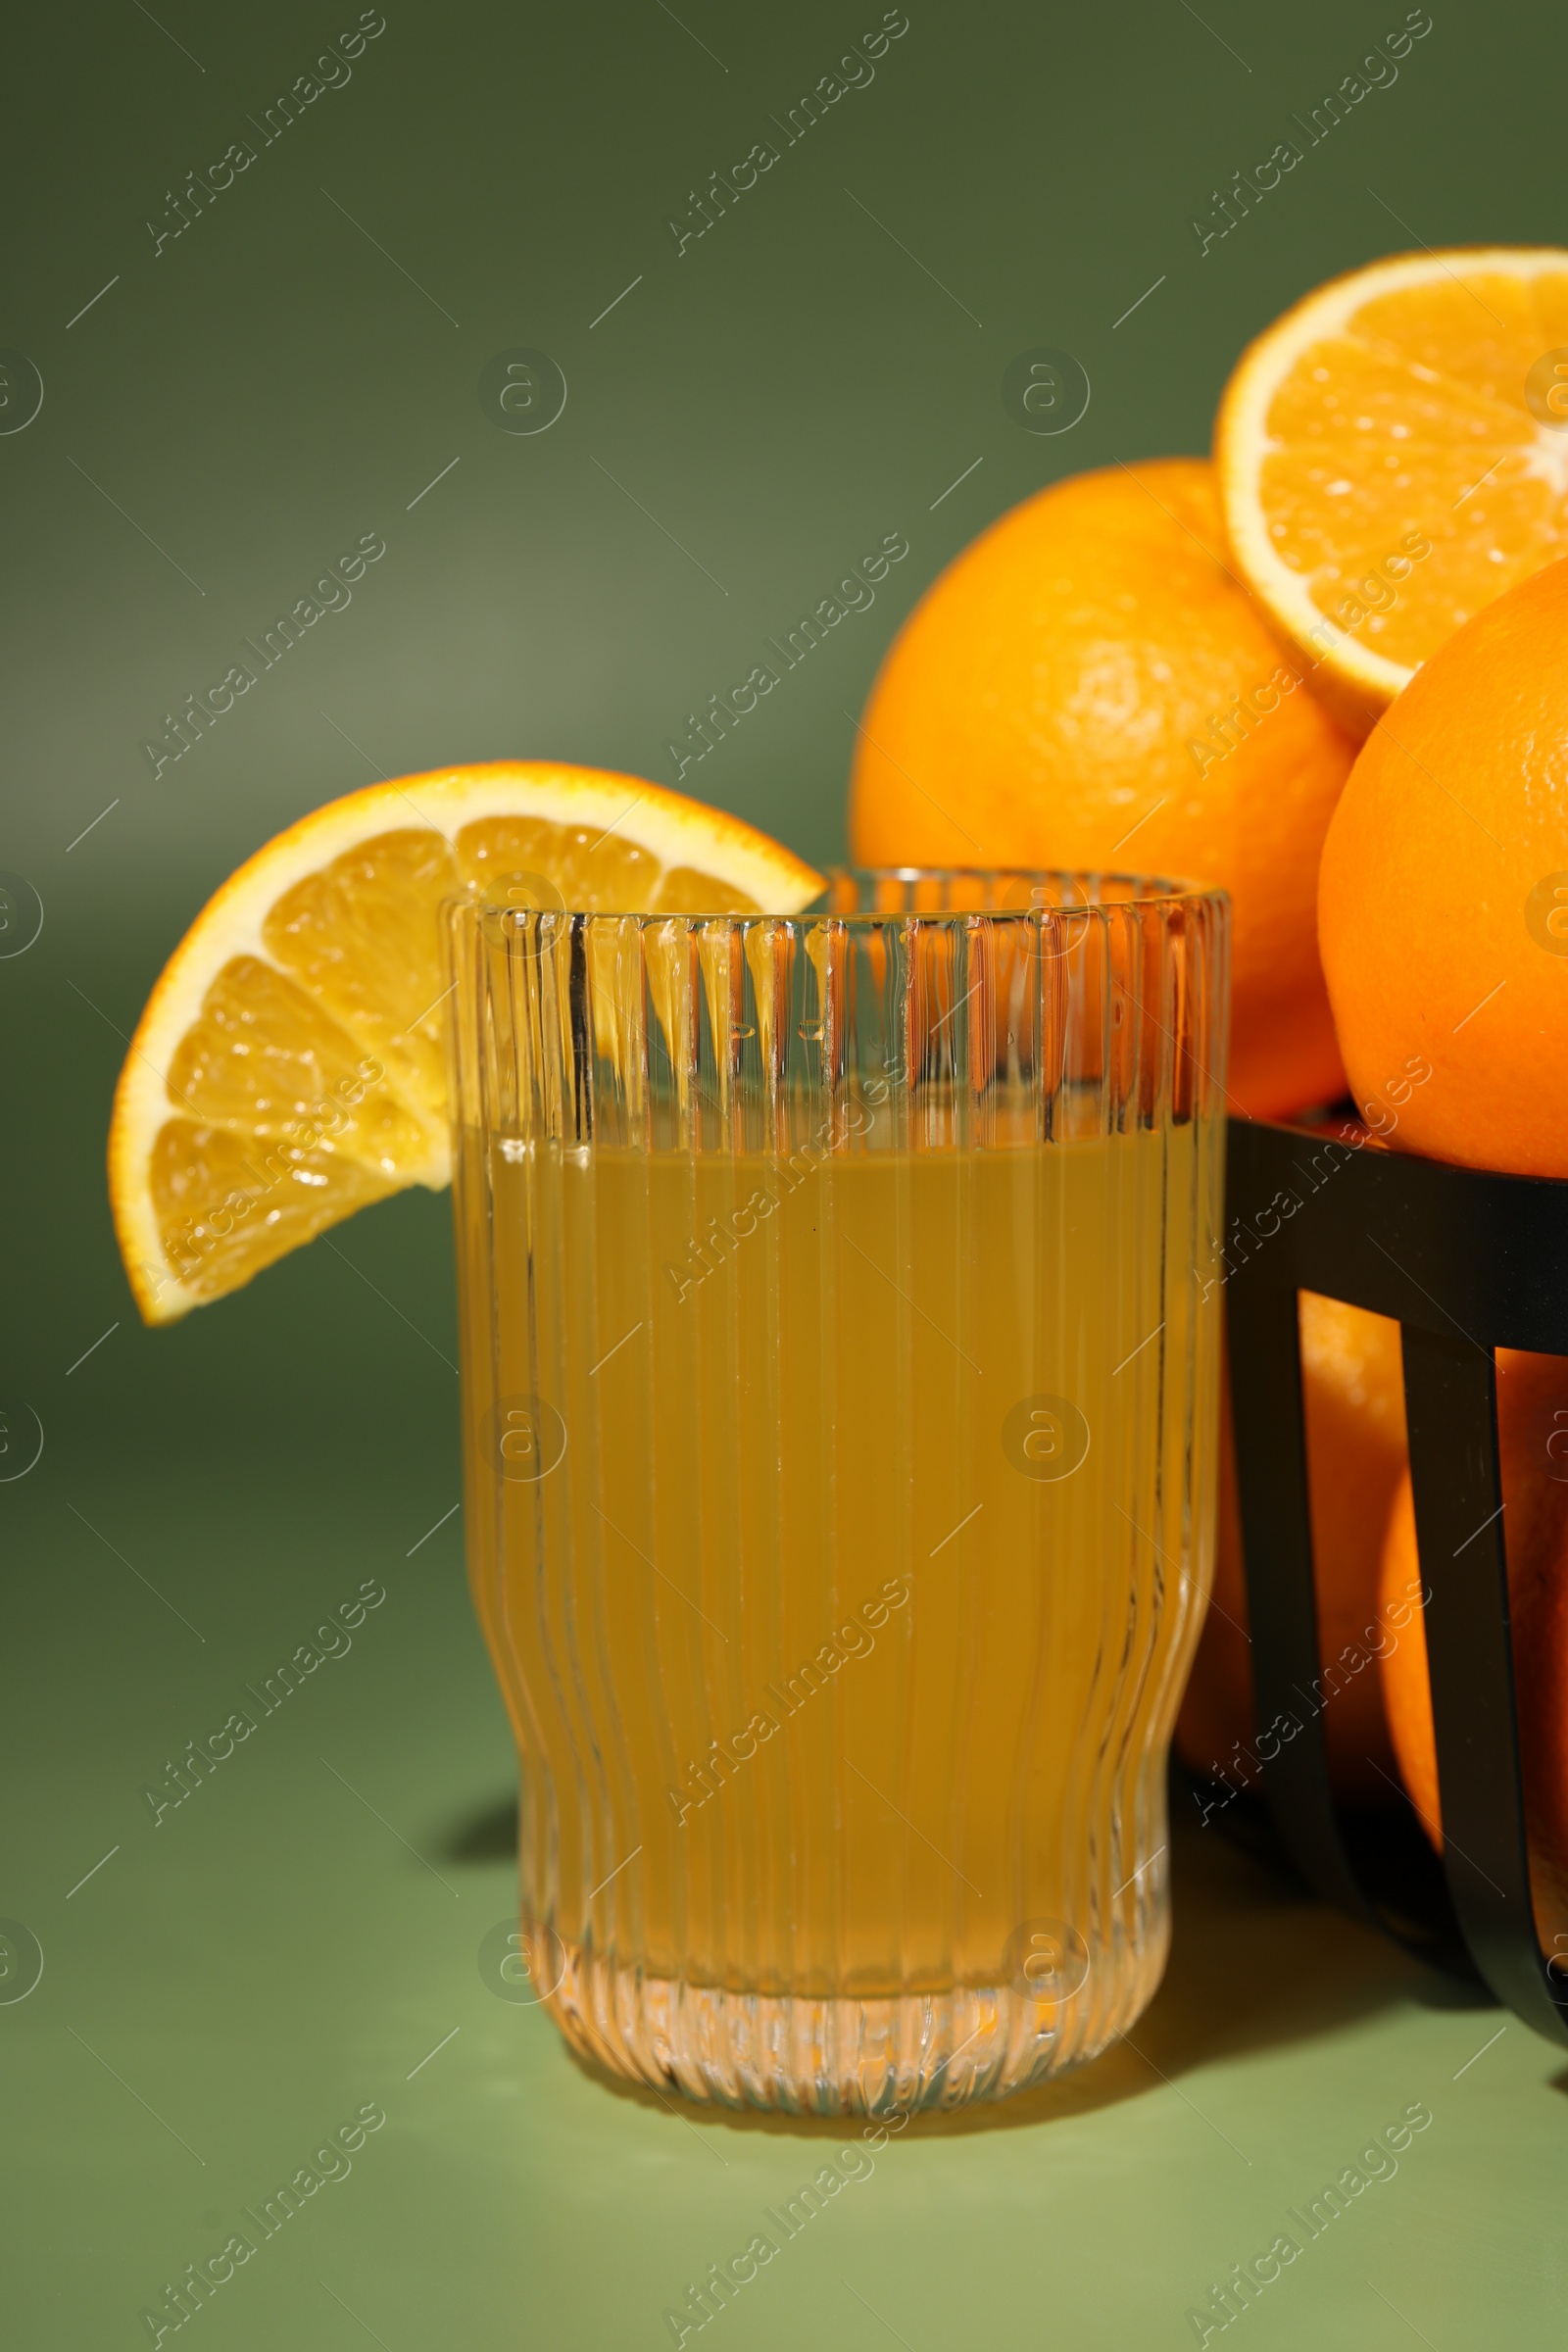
{"points": [[1089, 684], [1443, 901], [1532, 1422], [1354, 1398]]}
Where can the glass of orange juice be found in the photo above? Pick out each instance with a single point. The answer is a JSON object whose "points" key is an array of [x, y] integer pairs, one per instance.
{"points": [[841, 1359]]}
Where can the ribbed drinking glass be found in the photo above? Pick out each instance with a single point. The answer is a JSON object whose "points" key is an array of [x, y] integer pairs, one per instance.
{"points": [[840, 1350]]}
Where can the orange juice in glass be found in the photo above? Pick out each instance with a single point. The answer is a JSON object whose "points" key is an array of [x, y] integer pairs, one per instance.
{"points": [[840, 1369]]}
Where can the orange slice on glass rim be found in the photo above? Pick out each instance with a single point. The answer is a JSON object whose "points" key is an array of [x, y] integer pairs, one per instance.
{"points": [[1392, 453], [290, 1069]]}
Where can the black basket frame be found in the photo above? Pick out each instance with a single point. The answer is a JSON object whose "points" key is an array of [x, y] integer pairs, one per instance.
{"points": [[1465, 1261]]}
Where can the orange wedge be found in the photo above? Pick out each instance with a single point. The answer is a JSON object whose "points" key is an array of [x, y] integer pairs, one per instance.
{"points": [[288, 1069], [1394, 454]]}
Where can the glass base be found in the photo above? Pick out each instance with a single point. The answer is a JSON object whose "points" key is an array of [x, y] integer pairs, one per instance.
{"points": [[806, 2056]]}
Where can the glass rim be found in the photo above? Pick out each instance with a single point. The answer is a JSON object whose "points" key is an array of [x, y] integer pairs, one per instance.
{"points": [[1148, 889], [1140, 890]]}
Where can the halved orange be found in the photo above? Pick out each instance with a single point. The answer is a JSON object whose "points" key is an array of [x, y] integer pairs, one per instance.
{"points": [[288, 1067], [1392, 453]]}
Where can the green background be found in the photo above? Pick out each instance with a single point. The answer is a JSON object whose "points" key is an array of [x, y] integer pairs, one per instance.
{"points": [[228, 417]]}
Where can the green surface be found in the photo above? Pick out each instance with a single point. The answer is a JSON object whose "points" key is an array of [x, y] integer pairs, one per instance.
{"points": [[273, 1955], [227, 416]]}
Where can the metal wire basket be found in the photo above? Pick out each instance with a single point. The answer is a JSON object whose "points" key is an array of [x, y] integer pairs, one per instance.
{"points": [[1466, 1261]]}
